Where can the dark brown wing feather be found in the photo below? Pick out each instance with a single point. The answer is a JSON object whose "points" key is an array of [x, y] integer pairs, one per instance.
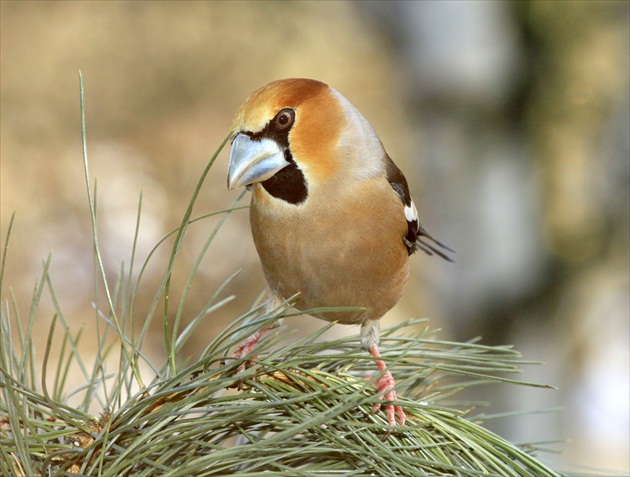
{"points": [[417, 237]]}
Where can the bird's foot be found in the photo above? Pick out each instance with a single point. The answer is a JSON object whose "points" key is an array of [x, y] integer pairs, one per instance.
{"points": [[385, 384], [245, 348]]}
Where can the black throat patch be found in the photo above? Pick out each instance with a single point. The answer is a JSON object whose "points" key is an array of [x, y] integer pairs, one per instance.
{"points": [[288, 184]]}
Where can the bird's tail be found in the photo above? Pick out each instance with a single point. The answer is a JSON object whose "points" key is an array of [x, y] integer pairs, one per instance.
{"points": [[430, 246]]}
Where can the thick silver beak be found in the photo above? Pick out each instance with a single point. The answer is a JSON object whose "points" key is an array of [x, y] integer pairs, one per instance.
{"points": [[253, 161]]}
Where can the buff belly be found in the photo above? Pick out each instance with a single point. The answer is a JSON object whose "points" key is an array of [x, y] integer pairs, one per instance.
{"points": [[339, 267]]}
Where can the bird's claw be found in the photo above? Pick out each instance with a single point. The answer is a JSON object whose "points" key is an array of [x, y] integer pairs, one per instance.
{"points": [[385, 384], [243, 350]]}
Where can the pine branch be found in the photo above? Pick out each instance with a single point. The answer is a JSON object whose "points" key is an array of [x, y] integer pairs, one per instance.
{"points": [[299, 412]]}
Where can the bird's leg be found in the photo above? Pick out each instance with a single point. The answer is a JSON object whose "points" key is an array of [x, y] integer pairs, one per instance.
{"points": [[248, 345], [386, 385], [370, 332]]}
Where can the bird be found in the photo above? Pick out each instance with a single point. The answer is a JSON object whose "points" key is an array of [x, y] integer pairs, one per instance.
{"points": [[331, 215]]}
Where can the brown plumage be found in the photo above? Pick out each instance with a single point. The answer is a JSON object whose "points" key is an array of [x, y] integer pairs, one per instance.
{"points": [[331, 214]]}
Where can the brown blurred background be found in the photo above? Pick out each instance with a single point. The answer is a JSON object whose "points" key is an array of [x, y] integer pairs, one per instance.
{"points": [[510, 120]]}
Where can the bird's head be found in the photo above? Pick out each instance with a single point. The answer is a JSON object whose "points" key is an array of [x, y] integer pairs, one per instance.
{"points": [[295, 135]]}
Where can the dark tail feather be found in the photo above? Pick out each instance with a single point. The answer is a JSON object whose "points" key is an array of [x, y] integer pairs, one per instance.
{"points": [[424, 243]]}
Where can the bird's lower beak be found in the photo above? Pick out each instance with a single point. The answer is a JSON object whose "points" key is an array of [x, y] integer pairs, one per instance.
{"points": [[253, 161]]}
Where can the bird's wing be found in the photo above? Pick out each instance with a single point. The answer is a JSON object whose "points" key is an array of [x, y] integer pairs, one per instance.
{"points": [[417, 237]]}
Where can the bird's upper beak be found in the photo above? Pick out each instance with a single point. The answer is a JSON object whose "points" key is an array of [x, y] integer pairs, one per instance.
{"points": [[253, 161]]}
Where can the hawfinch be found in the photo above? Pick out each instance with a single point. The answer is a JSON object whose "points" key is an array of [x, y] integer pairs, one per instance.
{"points": [[331, 215]]}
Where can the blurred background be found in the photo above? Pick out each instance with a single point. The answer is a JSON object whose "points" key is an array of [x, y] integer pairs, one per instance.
{"points": [[510, 120]]}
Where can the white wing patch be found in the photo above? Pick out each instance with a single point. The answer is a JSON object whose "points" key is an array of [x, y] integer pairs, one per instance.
{"points": [[411, 213]]}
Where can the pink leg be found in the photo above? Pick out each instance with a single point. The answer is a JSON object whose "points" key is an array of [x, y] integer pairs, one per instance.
{"points": [[247, 346], [386, 384]]}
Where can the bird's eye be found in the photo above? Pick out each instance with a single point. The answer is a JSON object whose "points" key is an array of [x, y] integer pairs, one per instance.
{"points": [[284, 119]]}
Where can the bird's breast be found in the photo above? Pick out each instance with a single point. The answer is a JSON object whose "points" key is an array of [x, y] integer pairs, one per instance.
{"points": [[346, 253]]}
